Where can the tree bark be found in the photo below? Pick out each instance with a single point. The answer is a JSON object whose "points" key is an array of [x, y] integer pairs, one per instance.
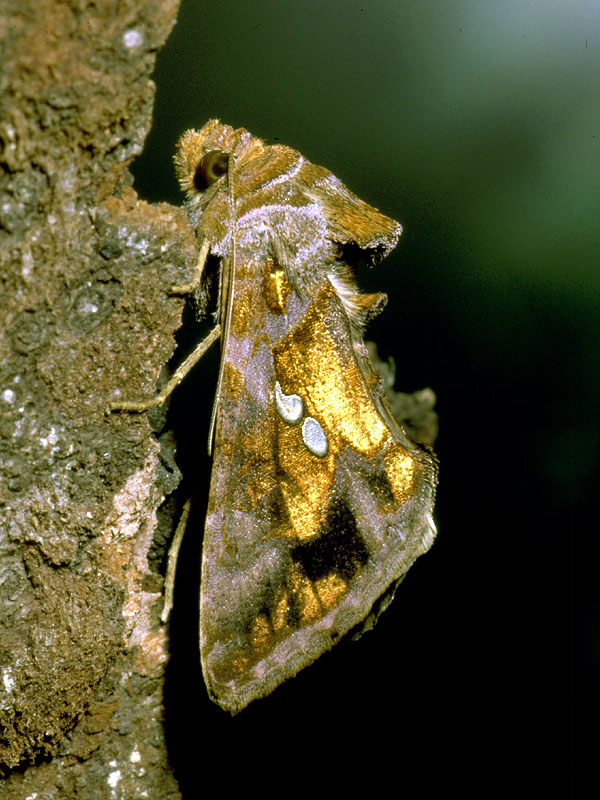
{"points": [[86, 318]]}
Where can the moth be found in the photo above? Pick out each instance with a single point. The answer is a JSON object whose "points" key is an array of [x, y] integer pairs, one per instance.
{"points": [[319, 502]]}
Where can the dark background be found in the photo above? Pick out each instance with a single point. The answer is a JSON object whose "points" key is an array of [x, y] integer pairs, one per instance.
{"points": [[476, 125]]}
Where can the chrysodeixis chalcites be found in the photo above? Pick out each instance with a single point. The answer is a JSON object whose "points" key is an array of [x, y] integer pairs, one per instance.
{"points": [[319, 502]]}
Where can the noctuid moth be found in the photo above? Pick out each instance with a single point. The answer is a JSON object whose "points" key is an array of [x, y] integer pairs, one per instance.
{"points": [[319, 502]]}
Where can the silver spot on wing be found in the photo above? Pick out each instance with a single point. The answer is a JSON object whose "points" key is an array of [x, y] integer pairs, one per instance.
{"points": [[289, 406], [314, 437]]}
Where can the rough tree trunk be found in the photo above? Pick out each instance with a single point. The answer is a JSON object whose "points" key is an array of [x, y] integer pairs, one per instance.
{"points": [[85, 313]]}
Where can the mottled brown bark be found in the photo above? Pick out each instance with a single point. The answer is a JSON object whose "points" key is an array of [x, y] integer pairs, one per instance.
{"points": [[84, 268]]}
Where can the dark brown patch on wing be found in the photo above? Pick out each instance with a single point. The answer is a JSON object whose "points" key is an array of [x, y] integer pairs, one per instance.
{"points": [[338, 549]]}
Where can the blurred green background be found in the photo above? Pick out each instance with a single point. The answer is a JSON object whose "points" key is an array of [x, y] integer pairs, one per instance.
{"points": [[477, 125]]}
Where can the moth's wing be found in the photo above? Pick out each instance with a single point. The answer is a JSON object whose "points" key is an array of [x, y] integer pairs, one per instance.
{"points": [[349, 219], [316, 507]]}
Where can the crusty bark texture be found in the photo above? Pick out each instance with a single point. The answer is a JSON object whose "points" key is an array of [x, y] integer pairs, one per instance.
{"points": [[85, 315]]}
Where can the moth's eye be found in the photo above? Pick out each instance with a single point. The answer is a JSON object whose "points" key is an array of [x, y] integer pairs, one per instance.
{"points": [[211, 167]]}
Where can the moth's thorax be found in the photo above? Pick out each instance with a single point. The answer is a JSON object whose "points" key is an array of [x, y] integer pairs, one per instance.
{"points": [[263, 214], [275, 202]]}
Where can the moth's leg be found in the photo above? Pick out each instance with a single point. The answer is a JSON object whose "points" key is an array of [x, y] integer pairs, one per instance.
{"points": [[172, 561], [186, 288], [178, 376]]}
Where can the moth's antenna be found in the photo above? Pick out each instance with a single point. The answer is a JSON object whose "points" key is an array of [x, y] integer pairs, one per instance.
{"points": [[227, 292]]}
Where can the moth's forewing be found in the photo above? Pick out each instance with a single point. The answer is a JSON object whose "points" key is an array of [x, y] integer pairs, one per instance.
{"points": [[318, 503]]}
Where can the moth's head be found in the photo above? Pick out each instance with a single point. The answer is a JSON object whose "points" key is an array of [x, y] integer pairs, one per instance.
{"points": [[204, 157]]}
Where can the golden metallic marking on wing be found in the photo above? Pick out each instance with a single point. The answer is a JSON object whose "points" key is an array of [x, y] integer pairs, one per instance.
{"points": [[304, 602], [400, 469], [305, 480], [243, 320], [305, 598], [276, 290], [332, 383], [310, 599], [331, 588], [309, 360], [279, 614]]}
